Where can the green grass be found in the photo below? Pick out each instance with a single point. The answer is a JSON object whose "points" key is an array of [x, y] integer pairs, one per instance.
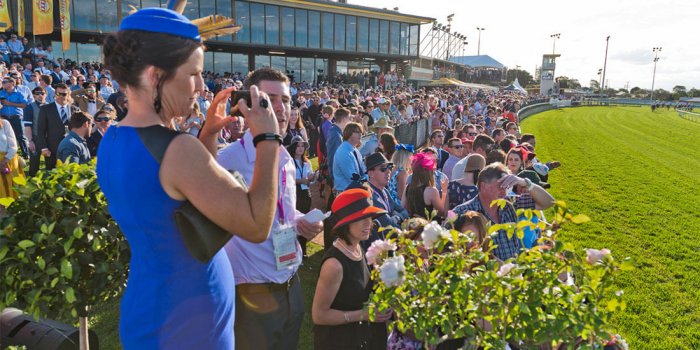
{"points": [[637, 175], [105, 320]]}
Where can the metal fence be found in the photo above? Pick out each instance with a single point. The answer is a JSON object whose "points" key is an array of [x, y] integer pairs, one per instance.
{"points": [[416, 133], [695, 117]]}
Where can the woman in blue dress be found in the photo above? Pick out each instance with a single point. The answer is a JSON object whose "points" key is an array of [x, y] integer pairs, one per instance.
{"points": [[173, 301]]}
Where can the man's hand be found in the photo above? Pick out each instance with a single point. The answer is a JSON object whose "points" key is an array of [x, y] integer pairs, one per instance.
{"points": [[45, 152], [511, 180], [32, 146], [309, 230]]}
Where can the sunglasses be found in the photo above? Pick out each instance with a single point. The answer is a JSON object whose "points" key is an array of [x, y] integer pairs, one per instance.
{"points": [[63, 94], [472, 134], [101, 119], [7, 82], [385, 168], [39, 93], [93, 91], [457, 146]]}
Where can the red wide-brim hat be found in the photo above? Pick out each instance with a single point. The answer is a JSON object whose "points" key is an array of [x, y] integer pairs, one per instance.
{"points": [[353, 205]]}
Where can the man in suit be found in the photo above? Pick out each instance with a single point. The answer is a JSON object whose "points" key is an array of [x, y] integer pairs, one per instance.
{"points": [[31, 127], [379, 171], [53, 124], [87, 99]]}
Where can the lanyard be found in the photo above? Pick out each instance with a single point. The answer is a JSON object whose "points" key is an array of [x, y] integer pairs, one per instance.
{"points": [[280, 207]]}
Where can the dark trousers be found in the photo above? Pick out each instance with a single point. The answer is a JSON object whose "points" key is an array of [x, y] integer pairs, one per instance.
{"points": [[268, 318], [50, 162], [34, 160], [18, 127]]}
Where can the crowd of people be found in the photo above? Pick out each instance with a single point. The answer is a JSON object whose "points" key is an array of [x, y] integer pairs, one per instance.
{"points": [[244, 166]]}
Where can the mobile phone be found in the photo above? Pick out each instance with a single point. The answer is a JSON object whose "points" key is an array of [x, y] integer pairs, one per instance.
{"points": [[236, 96]]}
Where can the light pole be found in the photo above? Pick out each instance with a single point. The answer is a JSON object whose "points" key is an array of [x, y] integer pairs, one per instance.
{"points": [[600, 87], [605, 64], [478, 46], [653, 78], [554, 39]]}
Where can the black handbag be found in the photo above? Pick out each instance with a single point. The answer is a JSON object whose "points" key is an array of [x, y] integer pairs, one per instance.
{"points": [[202, 237]]}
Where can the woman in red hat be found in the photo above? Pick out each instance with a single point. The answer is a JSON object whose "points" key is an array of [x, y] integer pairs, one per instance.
{"points": [[340, 321]]}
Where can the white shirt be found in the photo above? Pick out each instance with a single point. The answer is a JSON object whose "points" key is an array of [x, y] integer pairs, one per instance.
{"points": [[8, 142], [255, 262]]}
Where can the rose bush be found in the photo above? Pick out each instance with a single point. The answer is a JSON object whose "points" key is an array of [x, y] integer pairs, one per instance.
{"points": [[445, 287]]}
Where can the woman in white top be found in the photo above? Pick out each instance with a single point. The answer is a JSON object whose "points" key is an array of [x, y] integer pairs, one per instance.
{"points": [[193, 123], [9, 160]]}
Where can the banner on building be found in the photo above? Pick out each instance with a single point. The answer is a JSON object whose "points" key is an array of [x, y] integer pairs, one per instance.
{"points": [[5, 21], [20, 18], [64, 7], [42, 15]]}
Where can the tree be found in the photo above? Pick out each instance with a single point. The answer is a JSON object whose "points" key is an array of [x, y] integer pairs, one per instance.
{"points": [[662, 95], [635, 90], [693, 92], [595, 85], [524, 77], [679, 89], [568, 83]]}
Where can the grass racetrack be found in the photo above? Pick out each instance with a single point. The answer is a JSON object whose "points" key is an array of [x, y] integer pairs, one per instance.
{"points": [[636, 173]]}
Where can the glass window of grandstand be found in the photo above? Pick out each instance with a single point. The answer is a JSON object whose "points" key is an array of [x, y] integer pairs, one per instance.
{"points": [[262, 61], [222, 62], [209, 62], [341, 67], [340, 32], [192, 9], [314, 29], [413, 41], [374, 35], [394, 32], [327, 31], [404, 39], [384, 37], [208, 7], [223, 7], [362, 34], [301, 25], [307, 70], [257, 23], [89, 53], [272, 25], [106, 16], [242, 19], [287, 21], [293, 69], [84, 17], [149, 3], [351, 33], [240, 63], [279, 63]]}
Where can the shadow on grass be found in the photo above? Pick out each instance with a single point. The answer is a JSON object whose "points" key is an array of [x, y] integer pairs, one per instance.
{"points": [[105, 317]]}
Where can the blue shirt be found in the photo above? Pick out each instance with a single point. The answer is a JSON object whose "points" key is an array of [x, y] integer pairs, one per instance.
{"points": [[506, 247], [15, 46], [335, 138], [346, 162], [14, 97], [73, 148]]}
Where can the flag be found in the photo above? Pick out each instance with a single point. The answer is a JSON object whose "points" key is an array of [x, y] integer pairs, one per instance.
{"points": [[42, 16], [5, 21], [64, 21], [20, 18]]}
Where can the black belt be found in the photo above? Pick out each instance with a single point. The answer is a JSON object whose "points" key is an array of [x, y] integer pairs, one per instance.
{"points": [[260, 288]]}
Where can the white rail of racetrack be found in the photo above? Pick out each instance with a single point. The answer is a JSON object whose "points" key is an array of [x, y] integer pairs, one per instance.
{"points": [[695, 117]]}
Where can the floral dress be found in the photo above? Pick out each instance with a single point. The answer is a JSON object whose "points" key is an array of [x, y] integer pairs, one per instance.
{"points": [[460, 193], [393, 185]]}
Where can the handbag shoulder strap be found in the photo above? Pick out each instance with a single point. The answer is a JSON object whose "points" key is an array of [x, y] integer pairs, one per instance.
{"points": [[156, 139]]}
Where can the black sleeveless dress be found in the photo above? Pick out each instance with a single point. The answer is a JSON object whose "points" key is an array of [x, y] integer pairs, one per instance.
{"points": [[352, 295]]}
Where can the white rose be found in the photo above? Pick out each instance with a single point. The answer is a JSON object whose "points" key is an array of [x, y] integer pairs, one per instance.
{"points": [[377, 249], [392, 271], [505, 268], [432, 233], [594, 255]]}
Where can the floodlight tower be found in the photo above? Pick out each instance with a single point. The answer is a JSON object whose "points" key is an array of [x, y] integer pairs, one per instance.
{"points": [[653, 78]]}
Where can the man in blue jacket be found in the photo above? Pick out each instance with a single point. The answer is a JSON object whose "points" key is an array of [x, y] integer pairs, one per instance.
{"points": [[379, 172]]}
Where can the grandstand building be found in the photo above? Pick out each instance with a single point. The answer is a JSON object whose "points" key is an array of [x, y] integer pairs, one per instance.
{"points": [[305, 38]]}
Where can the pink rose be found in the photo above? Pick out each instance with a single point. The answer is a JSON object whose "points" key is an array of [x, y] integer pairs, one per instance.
{"points": [[594, 255], [505, 268], [378, 249]]}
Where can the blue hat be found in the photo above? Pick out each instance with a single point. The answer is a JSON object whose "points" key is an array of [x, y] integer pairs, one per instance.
{"points": [[159, 20]]}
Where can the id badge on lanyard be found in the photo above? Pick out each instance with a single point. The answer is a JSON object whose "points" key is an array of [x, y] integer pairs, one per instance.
{"points": [[284, 237]]}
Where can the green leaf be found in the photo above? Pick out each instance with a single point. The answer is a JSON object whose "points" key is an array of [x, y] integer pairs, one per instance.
{"points": [[3, 252], [41, 263], [19, 180], [67, 269], [78, 232], [70, 295], [25, 244], [580, 219], [54, 282]]}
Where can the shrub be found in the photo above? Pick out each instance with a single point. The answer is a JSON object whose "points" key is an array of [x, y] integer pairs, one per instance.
{"points": [[59, 248]]}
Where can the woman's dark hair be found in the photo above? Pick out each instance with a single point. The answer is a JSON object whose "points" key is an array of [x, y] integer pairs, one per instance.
{"points": [[292, 150], [389, 143], [343, 233], [127, 53], [495, 156]]}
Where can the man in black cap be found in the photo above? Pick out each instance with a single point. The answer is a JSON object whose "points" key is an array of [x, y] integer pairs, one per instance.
{"points": [[379, 171]]}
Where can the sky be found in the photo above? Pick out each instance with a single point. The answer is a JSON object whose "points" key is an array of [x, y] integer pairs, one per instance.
{"points": [[518, 34]]}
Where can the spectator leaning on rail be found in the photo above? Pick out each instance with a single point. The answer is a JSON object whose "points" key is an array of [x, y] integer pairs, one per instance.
{"points": [[269, 301]]}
